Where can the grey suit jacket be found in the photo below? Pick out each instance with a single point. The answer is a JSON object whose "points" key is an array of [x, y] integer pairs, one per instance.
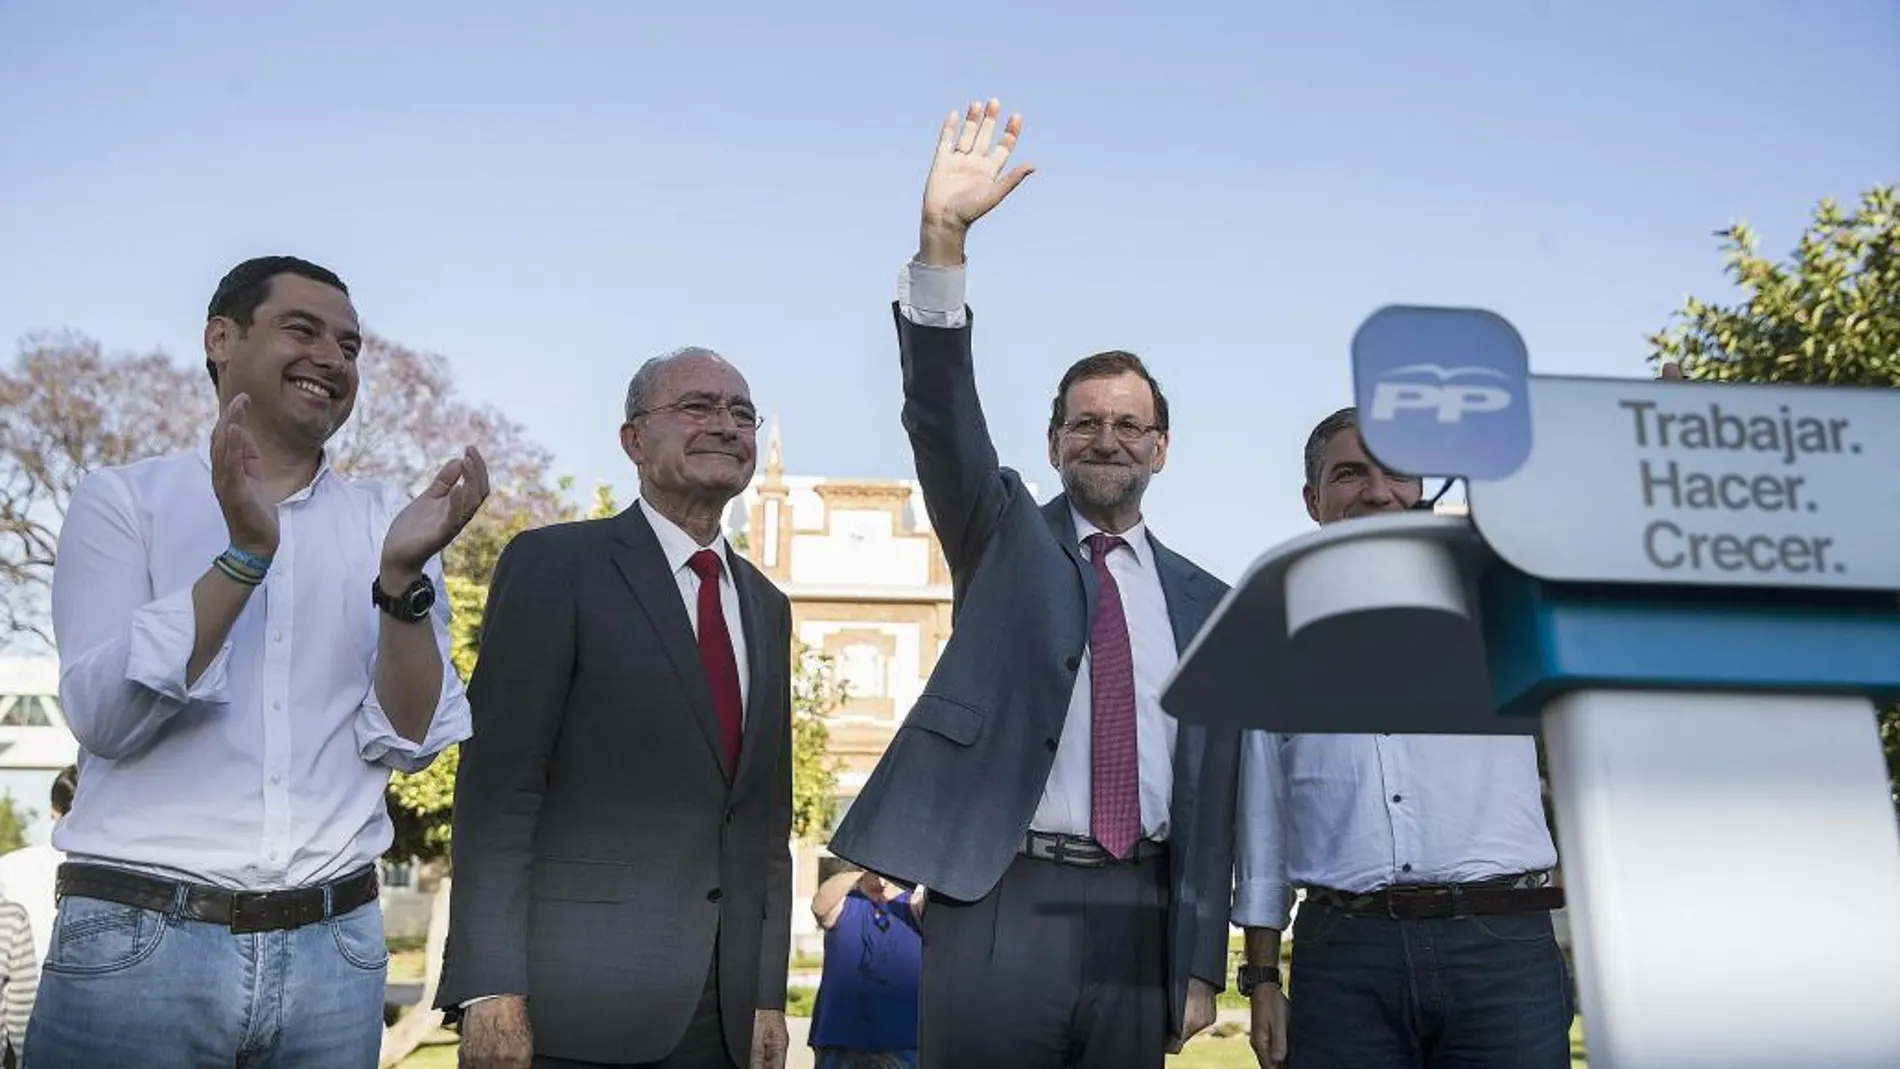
{"points": [[949, 802], [601, 850]]}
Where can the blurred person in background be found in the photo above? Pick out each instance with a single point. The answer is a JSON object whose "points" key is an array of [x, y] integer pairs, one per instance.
{"points": [[867, 998], [27, 875]]}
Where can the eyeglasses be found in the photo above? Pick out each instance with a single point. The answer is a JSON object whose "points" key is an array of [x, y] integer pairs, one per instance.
{"points": [[1126, 430], [699, 410]]}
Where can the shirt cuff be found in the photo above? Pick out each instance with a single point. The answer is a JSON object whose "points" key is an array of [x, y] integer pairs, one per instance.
{"points": [[1262, 904], [379, 743], [932, 296], [159, 654]]}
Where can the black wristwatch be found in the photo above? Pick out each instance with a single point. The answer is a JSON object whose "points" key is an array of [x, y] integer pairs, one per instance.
{"points": [[410, 606], [1248, 977]]}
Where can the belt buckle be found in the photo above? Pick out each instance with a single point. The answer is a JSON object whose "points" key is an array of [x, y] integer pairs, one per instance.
{"points": [[1394, 895], [257, 911]]}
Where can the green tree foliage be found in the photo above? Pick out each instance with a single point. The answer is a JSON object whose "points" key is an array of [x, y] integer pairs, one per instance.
{"points": [[817, 692], [13, 824], [1830, 315]]}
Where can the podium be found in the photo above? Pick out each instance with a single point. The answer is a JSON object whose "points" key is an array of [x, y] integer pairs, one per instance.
{"points": [[1692, 592]]}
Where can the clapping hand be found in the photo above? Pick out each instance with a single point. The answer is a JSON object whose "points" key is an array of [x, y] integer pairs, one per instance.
{"points": [[429, 523], [237, 480]]}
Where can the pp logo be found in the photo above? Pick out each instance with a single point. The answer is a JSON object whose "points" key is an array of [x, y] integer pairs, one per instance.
{"points": [[1451, 400], [1443, 391]]}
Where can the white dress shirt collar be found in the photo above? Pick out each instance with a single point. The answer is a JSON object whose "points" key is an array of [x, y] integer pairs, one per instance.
{"points": [[1136, 536], [676, 544]]}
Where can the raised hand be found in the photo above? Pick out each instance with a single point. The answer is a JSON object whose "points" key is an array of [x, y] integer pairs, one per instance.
{"points": [[966, 175], [429, 523], [237, 480]]}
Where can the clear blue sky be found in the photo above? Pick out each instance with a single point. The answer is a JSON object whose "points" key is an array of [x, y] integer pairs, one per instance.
{"points": [[548, 194]]}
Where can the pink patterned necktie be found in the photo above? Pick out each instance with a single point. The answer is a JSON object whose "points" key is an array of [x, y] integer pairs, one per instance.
{"points": [[1115, 785]]}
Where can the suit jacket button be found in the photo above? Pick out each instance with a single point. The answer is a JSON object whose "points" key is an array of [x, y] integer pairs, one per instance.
{"points": [[728, 815], [1073, 663], [714, 895], [1051, 743]]}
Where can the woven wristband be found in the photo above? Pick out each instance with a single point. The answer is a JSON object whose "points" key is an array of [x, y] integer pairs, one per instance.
{"points": [[236, 572], [251, 561]]}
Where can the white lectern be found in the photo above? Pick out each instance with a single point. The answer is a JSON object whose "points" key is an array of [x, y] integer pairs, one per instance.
{"points": [[1691, 591]]}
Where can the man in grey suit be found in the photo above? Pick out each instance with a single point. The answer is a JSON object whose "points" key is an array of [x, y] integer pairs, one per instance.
{"points": [[623, 810], [1076, 839]]}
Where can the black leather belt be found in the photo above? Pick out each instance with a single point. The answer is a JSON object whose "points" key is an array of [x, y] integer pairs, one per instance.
{"points": [[1527, 893], [240, 911], [1083, 851]]}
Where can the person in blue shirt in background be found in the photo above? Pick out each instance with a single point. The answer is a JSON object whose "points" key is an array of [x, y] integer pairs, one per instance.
{"points": [[866, 1013]]}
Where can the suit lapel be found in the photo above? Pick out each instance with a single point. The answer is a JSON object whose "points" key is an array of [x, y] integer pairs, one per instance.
{"points": [[642, 563], [1185, 594], [758, 647], [1062, 526], [1181, 587]]}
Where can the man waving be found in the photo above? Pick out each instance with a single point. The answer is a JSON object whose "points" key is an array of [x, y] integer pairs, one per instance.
{"points": [[1076, 840]]}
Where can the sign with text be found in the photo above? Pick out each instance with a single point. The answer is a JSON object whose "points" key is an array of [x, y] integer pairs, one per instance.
{"points": [[1731, 485], [1441, 391]]}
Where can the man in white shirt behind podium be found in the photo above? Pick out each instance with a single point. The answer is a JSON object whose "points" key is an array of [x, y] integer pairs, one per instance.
{"points": [[1425, 938]]}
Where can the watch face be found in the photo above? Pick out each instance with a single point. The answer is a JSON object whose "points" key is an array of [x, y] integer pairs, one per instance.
{"points": [[421, 597]]}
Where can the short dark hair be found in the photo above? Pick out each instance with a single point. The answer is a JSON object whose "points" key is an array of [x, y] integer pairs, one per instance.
{"points": [[1322, 437], [64, 786], [246, 286], [1106, 366]]}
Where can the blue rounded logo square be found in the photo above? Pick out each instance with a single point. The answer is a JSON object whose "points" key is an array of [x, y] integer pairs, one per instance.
{"points": [[1443, 391]]}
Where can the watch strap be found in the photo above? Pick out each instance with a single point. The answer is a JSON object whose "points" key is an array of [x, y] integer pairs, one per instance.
{"points": [[398, 605], [1248, 977]]}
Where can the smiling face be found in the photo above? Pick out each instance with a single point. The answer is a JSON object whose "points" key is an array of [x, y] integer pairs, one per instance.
{"points": [[1352, 484], [1108, 442], [697, 438], [296, 358]]}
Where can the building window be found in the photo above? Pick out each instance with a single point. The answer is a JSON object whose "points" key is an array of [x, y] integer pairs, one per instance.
{"points": [[770, 548], [27, 711], [840, 806], [861, 666]]}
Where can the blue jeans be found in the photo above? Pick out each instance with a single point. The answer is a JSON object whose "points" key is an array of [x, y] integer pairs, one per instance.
{"points": [[1369, 992], [130, 988]]}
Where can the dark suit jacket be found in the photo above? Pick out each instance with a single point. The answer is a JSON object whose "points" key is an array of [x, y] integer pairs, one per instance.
{"points": [[600, 848], [949, 802]]}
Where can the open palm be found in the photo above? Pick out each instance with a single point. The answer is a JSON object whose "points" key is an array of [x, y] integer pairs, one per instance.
{"points": [[427, 524], [966, 175]]}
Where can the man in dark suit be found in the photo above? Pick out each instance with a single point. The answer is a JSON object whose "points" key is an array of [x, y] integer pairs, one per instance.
{"points": [[623, 811], [1076, 839]]}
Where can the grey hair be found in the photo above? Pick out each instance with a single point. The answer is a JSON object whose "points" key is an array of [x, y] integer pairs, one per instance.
{"points": [[642, 384], [1322, 437]]}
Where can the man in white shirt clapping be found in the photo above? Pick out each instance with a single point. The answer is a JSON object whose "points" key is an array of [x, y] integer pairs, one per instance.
{"points": [[249, 644]]}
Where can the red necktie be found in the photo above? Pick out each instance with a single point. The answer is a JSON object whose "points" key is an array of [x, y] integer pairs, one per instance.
{"points": [[1115, 781], [715, 655]]}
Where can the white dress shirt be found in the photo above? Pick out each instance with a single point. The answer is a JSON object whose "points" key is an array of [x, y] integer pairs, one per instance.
{"points": [[1356, 813], [934, 297], [679, 547], [269, 771]]}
